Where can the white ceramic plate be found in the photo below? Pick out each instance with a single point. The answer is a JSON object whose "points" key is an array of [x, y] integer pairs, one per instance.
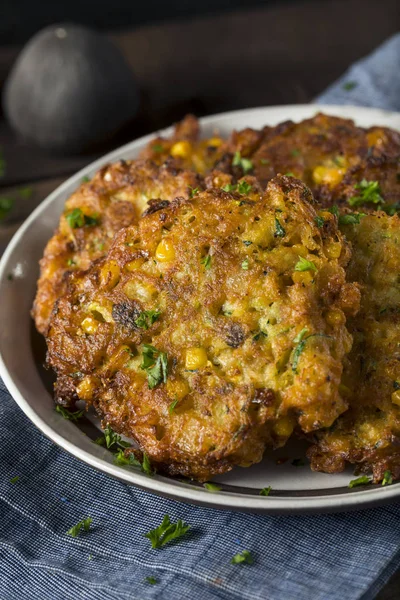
{"points": [[294, 489]]}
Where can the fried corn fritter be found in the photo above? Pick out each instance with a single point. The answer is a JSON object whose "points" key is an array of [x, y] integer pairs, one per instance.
{"points": [[369, 433], [114, 198], [331, 155], [186, 147], [212, 328]]}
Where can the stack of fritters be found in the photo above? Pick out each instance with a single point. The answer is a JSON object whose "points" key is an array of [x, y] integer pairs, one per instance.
{"points": [[223, 319]]}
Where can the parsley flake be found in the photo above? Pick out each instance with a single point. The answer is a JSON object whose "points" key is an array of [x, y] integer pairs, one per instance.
{"points": [[76, 218], [76, 529], [359, 481], [266, 491], [212, 487], [387, 478], [193, 191], [349, 85], [147, 318], [319, 221], [155, 363], [396, 385], [172, 406], [279, 230], [71, 262], [166, 532], [152, 580], [305, 265], [370, 191], [351, 219], [242, 557], [146, 465], [85, 179], [158, 148], [111, 440], [244, 187], [206, 262], [6, 205], [334, 210], [301, 342], [245, 264], [295, 152], [244, 163], [16, 478], [68, 414], [290, 174], [122, 459]]}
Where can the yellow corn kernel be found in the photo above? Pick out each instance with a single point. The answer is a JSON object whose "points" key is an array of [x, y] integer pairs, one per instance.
{"points": [[181, 149], [134, 264], [214, 141], [165, 251], [334, 317], [109, 274], [328, 175], [303, 276], [177, 388], [195, 358], [89, 325], [85, 388], [376, 138], [284, 427], [396, 397], [333, 249]]}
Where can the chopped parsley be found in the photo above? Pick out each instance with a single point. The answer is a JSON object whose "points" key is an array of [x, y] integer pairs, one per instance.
{"points": [[121, 459], [387, 478], [16, 478], [206, 262], [76, 529], [6, 205], [290, 174], [363, 480], [242, 557], [193, 191], [146, 465], [152, 580], [301, 340], [259, 335], [166, 532], [334, 210], [76, 218], [319, 221], [245, 264], [172, 406], [212, 487], [266, 491], [304, 265], [68, 414], [85, 179], [71, 262], [370, 191], [350, 219], [111, 440], [298, 462], [295, 152], [349, 85], [396, 384], [155, 363], [244, 163], [279, 230], [158, 148], [147, 318], [242, 187]]}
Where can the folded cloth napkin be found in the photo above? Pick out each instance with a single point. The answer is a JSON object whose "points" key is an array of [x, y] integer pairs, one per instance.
{"points": [[44, 491]]}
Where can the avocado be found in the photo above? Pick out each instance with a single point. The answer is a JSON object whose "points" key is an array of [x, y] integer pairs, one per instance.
{"points": [[69, 89]]}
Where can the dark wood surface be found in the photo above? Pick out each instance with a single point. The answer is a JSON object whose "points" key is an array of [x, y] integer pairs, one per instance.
{"points": [[277, 55]]}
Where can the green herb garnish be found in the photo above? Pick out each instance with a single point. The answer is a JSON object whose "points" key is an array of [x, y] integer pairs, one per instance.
{"points": [[242, 557], [152, 580], [25, 192], [121, 459], [6, 205], [166, 532], [295, 152], [212, 487], [301, 342], [193, 191], [359, 481], [172, 406], [266, 491], [387, 478], [290, 174], [349, 85], [16, 478], [206, 262], [158, 148], [155, 363], [85, 179], [71, 262], [319, 221], [68, 414], [244, 187], [279, 230], [370, 191], [146, 465], [351, 219], [334, 210], [245, 264], [396, 385], [244, 163], [304, 265], [147, 318], [76, 529], [76, 218], [110, 439]]}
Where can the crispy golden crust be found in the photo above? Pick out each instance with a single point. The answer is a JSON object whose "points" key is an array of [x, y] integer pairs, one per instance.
{"points": [[254, 347], [369, 433], [114, 198]]}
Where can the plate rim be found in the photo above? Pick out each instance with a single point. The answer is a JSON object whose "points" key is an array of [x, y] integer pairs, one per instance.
{"points": [[161, 485]]}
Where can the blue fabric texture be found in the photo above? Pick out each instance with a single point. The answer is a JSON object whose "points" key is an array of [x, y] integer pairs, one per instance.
{"points": [[322, 557]]}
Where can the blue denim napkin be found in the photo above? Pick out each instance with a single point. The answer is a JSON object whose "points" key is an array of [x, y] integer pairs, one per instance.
{"points": [[44, 491]]}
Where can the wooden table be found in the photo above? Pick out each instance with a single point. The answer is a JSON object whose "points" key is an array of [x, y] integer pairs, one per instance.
{"points": [[276, 55]]}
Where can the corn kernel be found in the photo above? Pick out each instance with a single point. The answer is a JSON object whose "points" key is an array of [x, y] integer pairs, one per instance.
{"points": [[109, 274], [89, 325], [302, 276], [334, 317], [214, 141], [85, 388], [284, 427], [165, 251], [181, 149], [396, 397], [376, 138], [177, 388], [133, 265], [328, 175], [333, 250], [195, 358]]}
